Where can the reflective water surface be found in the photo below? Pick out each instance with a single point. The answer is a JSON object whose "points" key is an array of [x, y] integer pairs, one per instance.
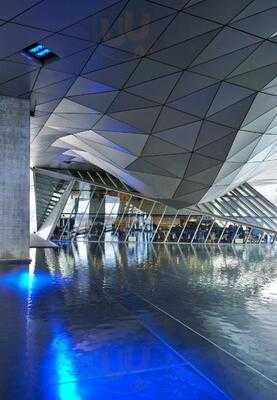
{"points": [[140, 321]]}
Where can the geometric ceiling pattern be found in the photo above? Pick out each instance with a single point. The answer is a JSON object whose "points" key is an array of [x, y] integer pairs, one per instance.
{"points": [[178, 98]]}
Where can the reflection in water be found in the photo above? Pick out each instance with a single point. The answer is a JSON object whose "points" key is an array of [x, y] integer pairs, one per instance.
{"points": [[89, 327], [24, 281], [64, 365], [226, 293]]}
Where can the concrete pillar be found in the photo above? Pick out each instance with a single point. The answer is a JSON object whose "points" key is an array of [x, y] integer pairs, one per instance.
{"points": [[97, 205], [97, 211], [14, 178]]}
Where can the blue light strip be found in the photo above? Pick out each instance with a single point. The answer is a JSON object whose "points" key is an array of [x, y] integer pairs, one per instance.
{"points": [[39, 50], [42, 53], [36, 49]]}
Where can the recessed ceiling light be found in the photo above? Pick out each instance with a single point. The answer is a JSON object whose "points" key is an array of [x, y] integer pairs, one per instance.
{"points": [[40, 52]]}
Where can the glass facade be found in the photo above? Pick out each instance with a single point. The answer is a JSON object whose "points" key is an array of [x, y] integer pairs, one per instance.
{"points": [[99, 214]]}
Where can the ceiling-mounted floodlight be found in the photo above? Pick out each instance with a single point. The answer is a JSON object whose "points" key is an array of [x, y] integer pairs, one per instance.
{"points": [[39, 52]]}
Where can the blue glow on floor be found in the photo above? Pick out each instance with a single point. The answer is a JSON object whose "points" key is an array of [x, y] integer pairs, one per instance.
{"points": [[82, 333], [120, 360], [24, 281], [64, 365]]}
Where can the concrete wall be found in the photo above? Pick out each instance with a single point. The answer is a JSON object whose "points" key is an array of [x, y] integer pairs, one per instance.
{"points": [[14, 178]]}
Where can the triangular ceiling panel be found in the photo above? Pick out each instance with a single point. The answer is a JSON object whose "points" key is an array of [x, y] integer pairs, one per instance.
{"points": [[91, 136], [133, 143], [158, 146], [261, 24], [221, 12], [140, 40], [72, 64], [175, 163], [264, 55], [211, 132], [20, 85], [142, 119], [52, 92], [193, 198], [190, 83], [218, 149], [150, 69], [65, 46], [182, 54], [126, 101], [75, 121], [107, 123], [121, 159], [104, 56], [227, 41], [157, 89], [183, 27], [144, 12], [263, 147], [221, 67], [199, 163], [255, 7], [242, 140], [255, 80], [93, 29], [177, 4], [262, 104], [187, 187], [114, 76], [47, 107], [233, 115], [157, 186], [206, 177], [227, 95], [226, 169], [243, 155], [86, 86], [182, 136], [142, 165], [11, 70], [196, 103], [96, 101], [68, 107], [170, 118], [47, 77], [177, 90]]}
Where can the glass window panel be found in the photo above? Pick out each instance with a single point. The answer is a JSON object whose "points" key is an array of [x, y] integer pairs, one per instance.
{"points": [[134, 223], [176, 228], [267, 238], [216, 231], [203, 230], [155, 220], [124, 216], [112, 203], [256, 235], [188, 232], [145, 227], [241, 235], [164, 227], [67, 219], [271, 238], [229, 232]]}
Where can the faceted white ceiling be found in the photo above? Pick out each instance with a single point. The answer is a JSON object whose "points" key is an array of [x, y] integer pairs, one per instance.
{"points": [[177, 98]]}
